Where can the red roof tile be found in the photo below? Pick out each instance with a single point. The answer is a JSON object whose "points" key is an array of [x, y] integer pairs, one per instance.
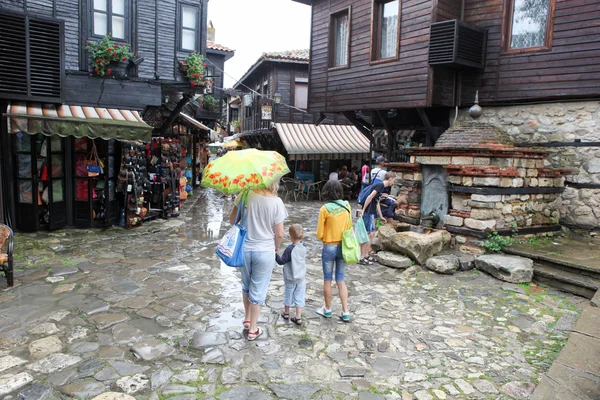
{"points": [[293, 55], [214, 46]]}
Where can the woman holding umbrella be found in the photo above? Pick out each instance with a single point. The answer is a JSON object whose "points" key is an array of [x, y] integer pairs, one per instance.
{"points": [[257, 173]]}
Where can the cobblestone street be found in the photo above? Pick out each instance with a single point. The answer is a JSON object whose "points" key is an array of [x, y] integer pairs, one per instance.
{"points": [[151, 312]]}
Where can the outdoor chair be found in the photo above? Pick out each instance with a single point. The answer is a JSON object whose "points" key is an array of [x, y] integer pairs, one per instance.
{"points": [[6, 259], [289, 187], [313, 188]]}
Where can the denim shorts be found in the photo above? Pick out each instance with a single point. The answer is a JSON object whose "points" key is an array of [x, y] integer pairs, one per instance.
{"points": [[332, 256], [369, 220], [294, 294], [256, 275]]}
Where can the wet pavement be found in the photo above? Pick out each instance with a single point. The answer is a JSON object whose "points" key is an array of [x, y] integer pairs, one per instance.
{"points": [[152, 312]]}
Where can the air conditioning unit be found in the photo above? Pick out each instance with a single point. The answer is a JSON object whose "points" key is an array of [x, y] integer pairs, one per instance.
{"points": [[247, 100], [457, 44]]}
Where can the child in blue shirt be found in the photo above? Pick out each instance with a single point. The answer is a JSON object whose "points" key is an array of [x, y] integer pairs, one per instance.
{"points": [[293, 260]]}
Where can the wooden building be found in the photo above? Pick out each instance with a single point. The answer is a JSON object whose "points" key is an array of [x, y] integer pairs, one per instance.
{"points": [[66, 109], [272, 110], [411, 67]]}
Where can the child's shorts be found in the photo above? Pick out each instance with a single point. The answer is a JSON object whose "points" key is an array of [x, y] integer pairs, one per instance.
{"points": [[294, 294]]}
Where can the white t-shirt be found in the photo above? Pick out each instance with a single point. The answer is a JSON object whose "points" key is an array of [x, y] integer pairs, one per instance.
{"points": [[333, 176], [378, 173], [262, 213]]}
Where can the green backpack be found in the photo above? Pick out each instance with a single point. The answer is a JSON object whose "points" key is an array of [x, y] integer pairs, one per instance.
{"points": [[350, 246]]}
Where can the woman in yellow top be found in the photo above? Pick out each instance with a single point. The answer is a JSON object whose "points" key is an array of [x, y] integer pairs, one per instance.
{"points": [[334, 218]]}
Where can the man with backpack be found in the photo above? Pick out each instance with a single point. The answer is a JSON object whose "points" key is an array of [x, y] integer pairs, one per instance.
{"points": [[369, 200], [378, 172]]}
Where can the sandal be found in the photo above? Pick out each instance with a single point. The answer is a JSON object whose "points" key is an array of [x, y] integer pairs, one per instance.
{"points": [[246, 324], [285, 315], [253, 335], [365, 261], [297, 321]]}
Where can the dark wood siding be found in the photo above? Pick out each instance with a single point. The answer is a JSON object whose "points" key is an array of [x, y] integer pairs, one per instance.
{"points": [[364, 85], [569, 70]]}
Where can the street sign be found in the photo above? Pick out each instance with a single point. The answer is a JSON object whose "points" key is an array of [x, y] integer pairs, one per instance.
{"points": [[267, 113]]}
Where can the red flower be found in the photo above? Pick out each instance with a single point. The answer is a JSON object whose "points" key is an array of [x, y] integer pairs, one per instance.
{"points": [[124, 58], [106, 61], [96, 70], [204, 65], [109, 71], [114, 53], [193, 83], [135, 53], [98, 61], [116, 46], [89, 43]]}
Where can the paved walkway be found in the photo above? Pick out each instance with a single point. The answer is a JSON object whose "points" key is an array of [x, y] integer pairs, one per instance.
{"points": [[152, 312]]}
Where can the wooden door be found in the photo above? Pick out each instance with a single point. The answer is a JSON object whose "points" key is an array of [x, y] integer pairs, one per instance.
{"points": [[26, 182], [56, 176]]}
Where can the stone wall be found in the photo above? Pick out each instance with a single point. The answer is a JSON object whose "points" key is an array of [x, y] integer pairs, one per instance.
{"points": [[407, 189], [560, 122]]}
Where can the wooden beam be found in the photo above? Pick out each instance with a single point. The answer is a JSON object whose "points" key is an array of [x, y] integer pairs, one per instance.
{"points": [[360, 124], [430, 137], [169, 121]]}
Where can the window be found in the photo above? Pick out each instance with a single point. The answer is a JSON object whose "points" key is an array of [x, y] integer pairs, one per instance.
{"points": [[189, 27], [386, 24], [210, 73], [108, 16], [529, 24], [339, 38], [301, 93]]}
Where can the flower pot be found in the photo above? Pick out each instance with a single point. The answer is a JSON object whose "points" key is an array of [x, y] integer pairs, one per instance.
{"points": [[183, 65], [118, 70]]}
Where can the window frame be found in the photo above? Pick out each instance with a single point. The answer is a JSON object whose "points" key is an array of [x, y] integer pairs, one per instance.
{"points": [[376, 12], [180, 27], [109, 15], [507, 23], [331, 39], [303, 82]]}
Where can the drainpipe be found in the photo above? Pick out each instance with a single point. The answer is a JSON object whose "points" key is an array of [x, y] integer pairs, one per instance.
{"points": [[156, 38]]}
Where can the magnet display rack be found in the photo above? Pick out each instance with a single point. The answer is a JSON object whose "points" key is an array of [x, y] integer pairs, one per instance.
{"points": [[134, 184], [164, 173]]}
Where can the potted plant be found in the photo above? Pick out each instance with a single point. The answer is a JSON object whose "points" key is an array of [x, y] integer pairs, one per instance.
{"points": [[210, 103], [108, 57], [195, 69], [237, 126]]}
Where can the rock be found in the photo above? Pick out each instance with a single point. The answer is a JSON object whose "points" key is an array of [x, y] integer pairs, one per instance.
{"points": [[439, 394], [518, 390], [370, 396], [464, 386], [177, 389], [423, 395], [83, 389], [63, 271], [485, 386], [230, 376], [257, 377], [566, 322], [46, 328], [203, 340], [107, 374], [54, 362], [54, 279], [388, 366], [443, 264], [507, 268], [36, 391], [393, 260], [271, 365], [350, 372], [451, 389], [103, 321], [127, 368], [63, 377], [89, 367], [511, 287], [133, 384], [113, 396], [410, 377], [127, 334], [93, 308], [190, 375], [244, 393], [78, 332], [160, 378], [467, 262], [10, 383], [596, 299], [64, 288], [418, 247], [294, 391], [9, 362], [213, 356], [42, 347], [152, 349], [84, 347]]}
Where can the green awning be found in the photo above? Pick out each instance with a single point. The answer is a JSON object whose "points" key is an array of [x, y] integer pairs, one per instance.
{"points": [[78, 121]]}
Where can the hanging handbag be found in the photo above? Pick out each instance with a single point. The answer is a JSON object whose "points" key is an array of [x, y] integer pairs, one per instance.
{"points": [[231, 247], [350, 246], [93, 169], [44, 174], [361, 231], [188, 173]]}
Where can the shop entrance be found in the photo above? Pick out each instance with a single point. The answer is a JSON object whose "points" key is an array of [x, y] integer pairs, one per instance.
{"points": [[40, 182]]}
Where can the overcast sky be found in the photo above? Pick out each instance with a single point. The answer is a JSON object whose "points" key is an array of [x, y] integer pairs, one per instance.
{"points": [[252, 27]]}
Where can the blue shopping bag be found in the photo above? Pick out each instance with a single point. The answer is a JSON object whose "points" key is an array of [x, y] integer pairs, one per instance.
{"points": [[231, 247]]}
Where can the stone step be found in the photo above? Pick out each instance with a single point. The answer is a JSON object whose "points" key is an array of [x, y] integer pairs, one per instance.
{"points": [[572, 280]]}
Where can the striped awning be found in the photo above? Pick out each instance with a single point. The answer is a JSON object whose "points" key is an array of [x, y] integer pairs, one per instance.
{"points": [[78, 121], [323, 142], [195, 122]]}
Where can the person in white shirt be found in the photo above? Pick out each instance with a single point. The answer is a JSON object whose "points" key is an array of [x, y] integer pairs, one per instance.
{"points": [[378, 172], [334, 176]]}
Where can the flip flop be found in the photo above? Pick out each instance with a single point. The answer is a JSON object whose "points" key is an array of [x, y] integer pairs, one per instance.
{"points": [[297, 321], [246, 324], [285, 315], [253, 335]]}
